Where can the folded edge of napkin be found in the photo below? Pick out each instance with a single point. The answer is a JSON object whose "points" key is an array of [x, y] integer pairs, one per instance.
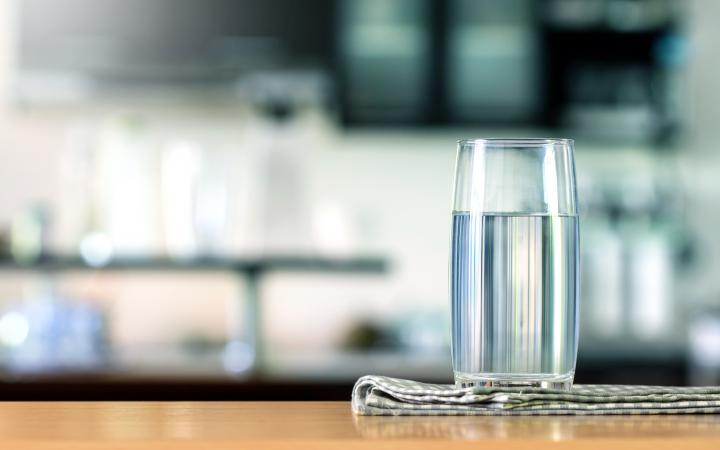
{"points": [[379, 395]]}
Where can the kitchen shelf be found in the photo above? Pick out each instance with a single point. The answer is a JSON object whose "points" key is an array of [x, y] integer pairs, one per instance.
{"points": [[253, 269], [56, 263]]}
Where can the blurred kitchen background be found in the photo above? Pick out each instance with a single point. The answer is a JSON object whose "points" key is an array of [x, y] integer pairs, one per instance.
{"points": [[247, 199]]}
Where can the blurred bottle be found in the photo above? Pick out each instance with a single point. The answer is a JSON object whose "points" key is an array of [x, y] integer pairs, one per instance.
{"points": [[629, 262], [649, 259], [82, 226], [602, 265], [704, 347], [73, 217], [651, 284], [180, 179], [125, 189], [28, 234], [212, 202]]}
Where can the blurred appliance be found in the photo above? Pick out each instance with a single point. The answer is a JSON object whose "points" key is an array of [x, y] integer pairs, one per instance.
{"points": [[430, 61], [492, 61], [385, 53], [605, 68], [76, 49], [608, 69], [612, 67], [613, 101]]}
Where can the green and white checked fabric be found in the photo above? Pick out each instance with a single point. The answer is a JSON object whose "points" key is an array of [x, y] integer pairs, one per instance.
{"points": [[385, 396]]}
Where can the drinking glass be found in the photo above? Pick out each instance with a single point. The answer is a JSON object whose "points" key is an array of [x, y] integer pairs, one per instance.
{"points": [[514, 263]]}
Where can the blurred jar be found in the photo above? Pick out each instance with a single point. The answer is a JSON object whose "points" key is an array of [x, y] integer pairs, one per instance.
{"points": [[125, 197], [47, 331], [180, 179], [283, 134], [704, 347]]}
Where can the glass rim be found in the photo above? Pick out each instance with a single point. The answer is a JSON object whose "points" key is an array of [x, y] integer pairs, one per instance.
{"points": [[517, 142]]}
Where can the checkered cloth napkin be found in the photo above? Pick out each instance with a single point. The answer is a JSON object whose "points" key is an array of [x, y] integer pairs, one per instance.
{"points": [[385, 396]]}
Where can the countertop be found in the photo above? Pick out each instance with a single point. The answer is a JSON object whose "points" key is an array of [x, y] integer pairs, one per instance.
{"points": [[297, 425]]}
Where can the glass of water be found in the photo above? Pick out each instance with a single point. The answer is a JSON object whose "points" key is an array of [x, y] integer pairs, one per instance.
{"points": [[514, 263]]}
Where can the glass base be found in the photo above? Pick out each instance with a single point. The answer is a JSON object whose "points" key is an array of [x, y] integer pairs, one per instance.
{"points": [[501, 380]]}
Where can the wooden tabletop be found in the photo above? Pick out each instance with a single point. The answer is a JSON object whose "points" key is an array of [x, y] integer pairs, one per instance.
{"points": [[297, 425]]}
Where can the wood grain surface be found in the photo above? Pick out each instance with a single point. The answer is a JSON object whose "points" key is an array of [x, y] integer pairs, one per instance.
{"points": [[281, 425]]}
